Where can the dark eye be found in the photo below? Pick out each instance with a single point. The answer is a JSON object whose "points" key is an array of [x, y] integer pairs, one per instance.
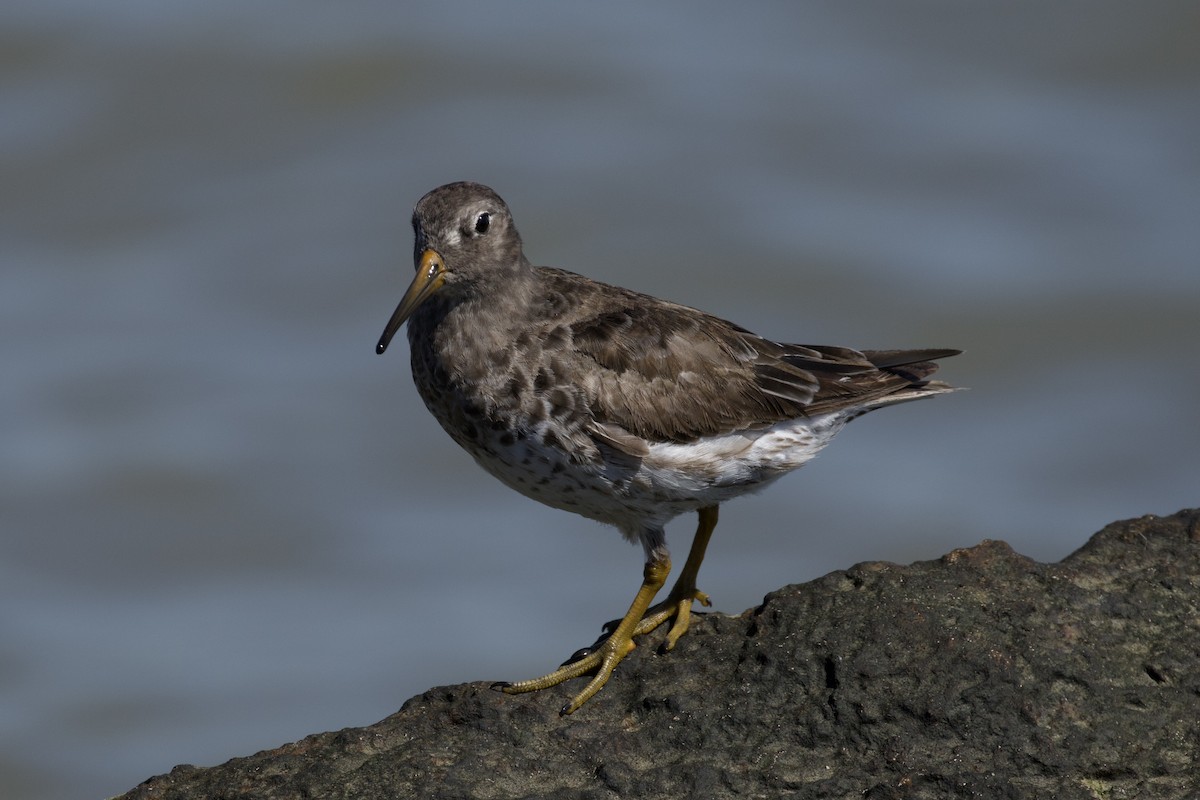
{"points": [[483, 222]]}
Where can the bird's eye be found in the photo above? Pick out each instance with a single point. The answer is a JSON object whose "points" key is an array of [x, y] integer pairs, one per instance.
{"points": [[483, 222]]}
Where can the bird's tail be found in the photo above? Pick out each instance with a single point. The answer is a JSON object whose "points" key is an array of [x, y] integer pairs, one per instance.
{"points": [[915, 367]]}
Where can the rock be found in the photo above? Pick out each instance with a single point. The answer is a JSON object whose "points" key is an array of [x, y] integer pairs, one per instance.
{"points": [[981, 674]]}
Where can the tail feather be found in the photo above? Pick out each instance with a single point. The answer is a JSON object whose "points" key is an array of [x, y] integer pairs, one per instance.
{"points": [[912, 365], [901, 358], [912, 368]]}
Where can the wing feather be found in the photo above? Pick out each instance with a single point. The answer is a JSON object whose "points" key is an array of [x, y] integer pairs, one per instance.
{"points": [[663, 372]]}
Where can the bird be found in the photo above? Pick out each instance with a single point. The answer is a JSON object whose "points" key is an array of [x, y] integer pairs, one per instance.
{"points": [[615, 405]]}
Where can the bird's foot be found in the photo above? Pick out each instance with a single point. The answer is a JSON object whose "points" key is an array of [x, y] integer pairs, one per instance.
{"points": [[601, 658], [678, 605], [608, 651]]}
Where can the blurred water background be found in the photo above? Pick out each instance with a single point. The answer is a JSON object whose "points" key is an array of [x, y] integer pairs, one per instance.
{"points": [[225, 523]]}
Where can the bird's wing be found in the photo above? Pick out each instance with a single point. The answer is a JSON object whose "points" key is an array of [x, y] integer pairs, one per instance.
{"points": [[662, 372]]}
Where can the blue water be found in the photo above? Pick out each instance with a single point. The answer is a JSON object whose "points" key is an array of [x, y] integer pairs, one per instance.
{"points": [[225, 523]]}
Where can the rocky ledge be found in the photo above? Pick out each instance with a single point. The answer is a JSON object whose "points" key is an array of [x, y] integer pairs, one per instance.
{"points": [[981, 674]]}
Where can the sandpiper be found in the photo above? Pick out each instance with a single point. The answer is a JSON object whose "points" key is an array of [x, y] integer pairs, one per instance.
{"points": [[616, 405]]}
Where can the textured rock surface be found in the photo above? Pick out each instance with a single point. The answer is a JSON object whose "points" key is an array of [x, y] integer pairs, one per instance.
{"points": [[981, 674]]}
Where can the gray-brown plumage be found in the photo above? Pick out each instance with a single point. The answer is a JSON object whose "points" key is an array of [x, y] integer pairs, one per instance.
{"points": [[613, 404]]}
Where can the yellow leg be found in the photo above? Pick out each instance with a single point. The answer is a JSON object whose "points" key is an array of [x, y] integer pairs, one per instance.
{"points": [[679, 602], [608, 654]]}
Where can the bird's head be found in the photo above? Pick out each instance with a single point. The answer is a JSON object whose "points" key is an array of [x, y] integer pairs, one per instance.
{"points": [[464, 239]]}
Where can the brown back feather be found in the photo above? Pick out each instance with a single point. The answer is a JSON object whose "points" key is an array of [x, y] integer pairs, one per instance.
{"points": [[672, 373]]}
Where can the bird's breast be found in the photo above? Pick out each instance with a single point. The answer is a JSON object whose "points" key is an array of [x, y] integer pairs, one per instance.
{"points": [[488, 384]]}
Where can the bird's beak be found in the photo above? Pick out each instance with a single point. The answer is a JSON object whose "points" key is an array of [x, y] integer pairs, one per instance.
{"points": [[431, 272]]}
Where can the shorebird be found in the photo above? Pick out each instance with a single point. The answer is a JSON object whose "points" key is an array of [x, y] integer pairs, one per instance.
{"points": [[616, 405]]}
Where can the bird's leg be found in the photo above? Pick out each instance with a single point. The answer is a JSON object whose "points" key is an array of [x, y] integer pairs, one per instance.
{"points": [[611, 649], [679, 602]]}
